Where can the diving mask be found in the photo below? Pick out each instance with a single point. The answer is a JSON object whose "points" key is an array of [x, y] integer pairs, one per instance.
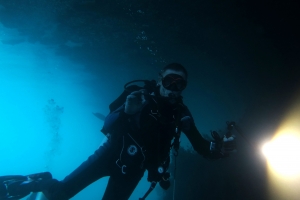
{"points": [[174, 82]]}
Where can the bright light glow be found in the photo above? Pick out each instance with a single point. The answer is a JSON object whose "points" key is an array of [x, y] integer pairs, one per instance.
{"points": [[283, 154]]}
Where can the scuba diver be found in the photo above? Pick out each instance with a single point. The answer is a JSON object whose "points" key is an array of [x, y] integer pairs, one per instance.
{"points": [[144, 124]]}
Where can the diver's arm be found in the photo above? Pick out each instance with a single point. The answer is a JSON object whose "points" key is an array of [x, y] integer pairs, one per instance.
{"points": [[202, 146], [111, 119], [199, 144], [189, 128]]}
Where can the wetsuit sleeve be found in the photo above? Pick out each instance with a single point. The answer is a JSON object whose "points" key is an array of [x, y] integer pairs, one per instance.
{"points": [[198, 142], [189, 128], [111, 119]]}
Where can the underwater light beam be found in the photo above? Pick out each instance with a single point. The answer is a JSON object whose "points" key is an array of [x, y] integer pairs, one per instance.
{"points": [[283, 156]]}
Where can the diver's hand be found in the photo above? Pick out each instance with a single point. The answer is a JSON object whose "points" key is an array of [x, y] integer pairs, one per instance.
{"points": [[229, 145], [222, 147], [135, 102]]}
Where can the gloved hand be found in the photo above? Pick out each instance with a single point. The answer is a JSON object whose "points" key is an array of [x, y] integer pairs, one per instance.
{"points": [[135, 102], [222, 146], [229, 145]]}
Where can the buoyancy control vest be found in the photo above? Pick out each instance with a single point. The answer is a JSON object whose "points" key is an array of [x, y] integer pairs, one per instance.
{"points": [[147, 147], [158, 129]]}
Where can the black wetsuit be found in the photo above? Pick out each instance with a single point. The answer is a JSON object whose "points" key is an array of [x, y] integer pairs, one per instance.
{"points": [[137, 142]]}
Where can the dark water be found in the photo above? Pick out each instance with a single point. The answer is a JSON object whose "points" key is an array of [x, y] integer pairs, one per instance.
{"points": [[242, 58]]}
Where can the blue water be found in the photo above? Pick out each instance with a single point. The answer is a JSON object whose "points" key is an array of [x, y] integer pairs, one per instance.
{"points": [[35, 136]]}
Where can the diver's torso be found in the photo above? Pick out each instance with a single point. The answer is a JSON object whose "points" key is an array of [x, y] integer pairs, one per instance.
{"points": [[145, 139]]}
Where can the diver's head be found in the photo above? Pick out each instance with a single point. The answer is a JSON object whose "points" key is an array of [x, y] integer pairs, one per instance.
{"points": [[172, 80]]}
